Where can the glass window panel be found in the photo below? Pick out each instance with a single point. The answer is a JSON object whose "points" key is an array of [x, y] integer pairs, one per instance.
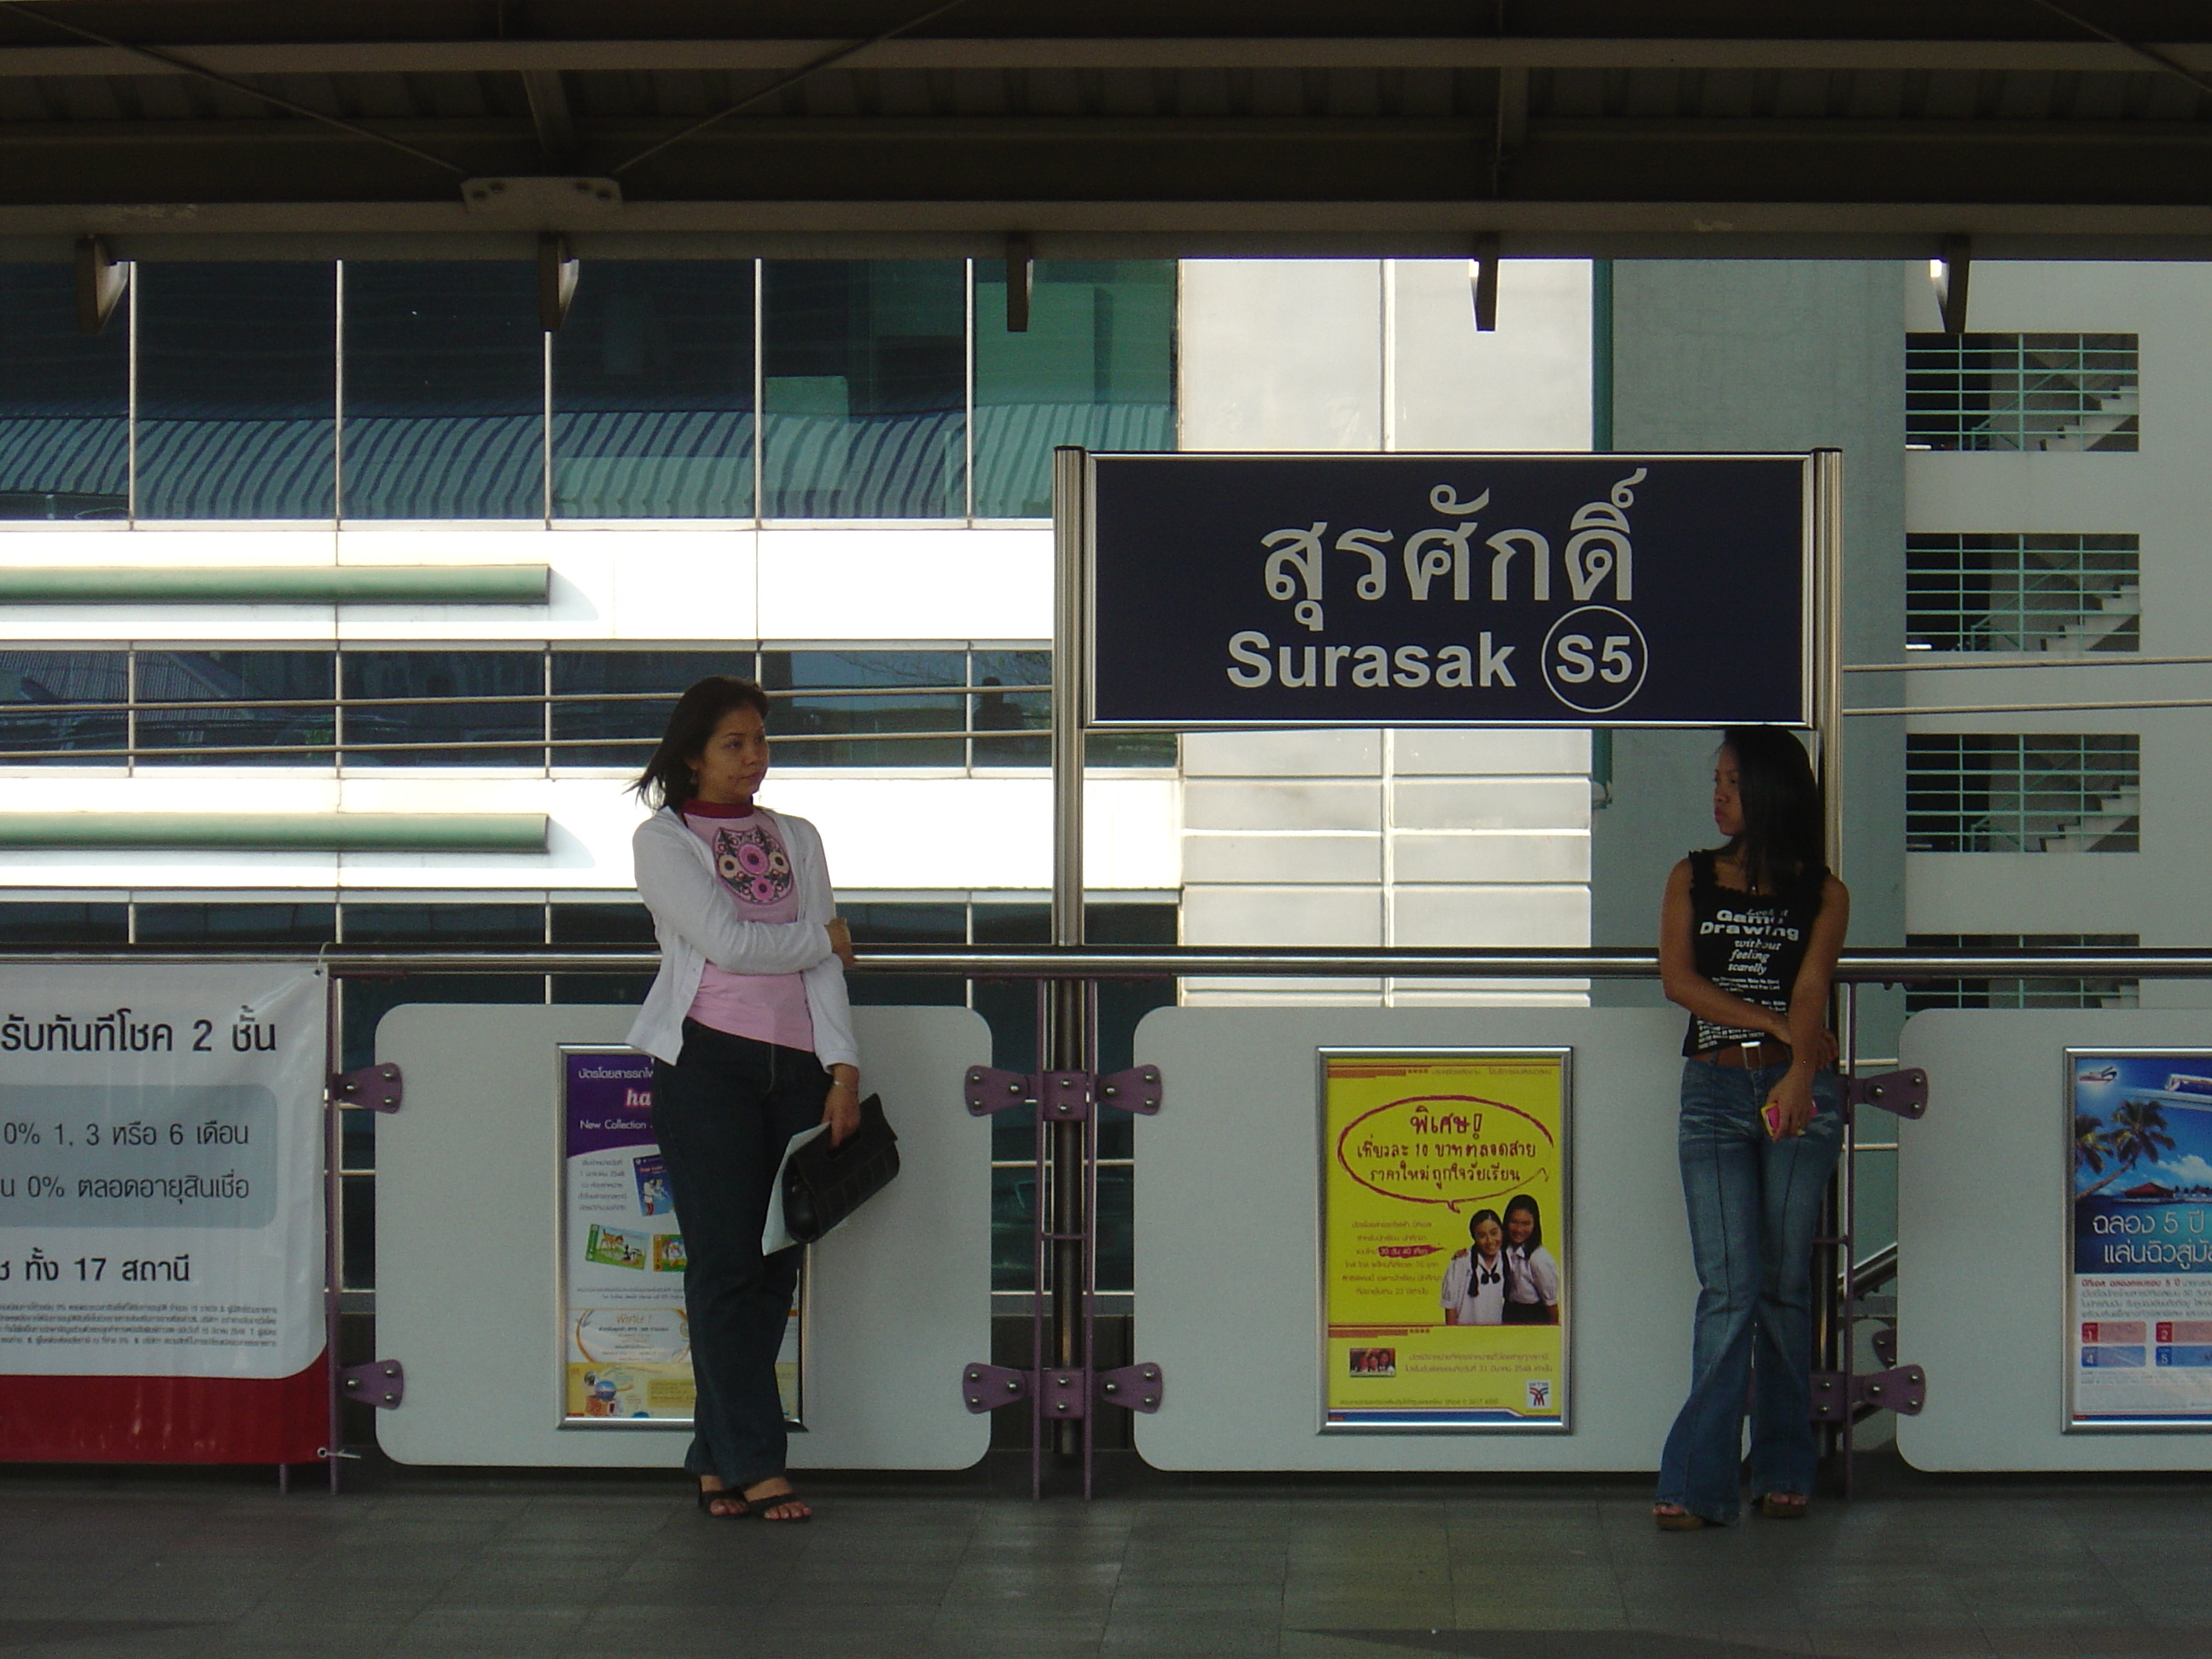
{"points": [[445, 924], [809, 729], [1097, 367], [862, 389], [237, 391], [241, 707], [602, 924], [628, 924], [444, 707], [653, 392], [445, 389], [1013, 1222], [995, 710], [357, 1230], [894, 925], [64, 402], [1009, 1007], [37, 691], [243, 922], [636, 720], [367, 1002], [40, 922]]}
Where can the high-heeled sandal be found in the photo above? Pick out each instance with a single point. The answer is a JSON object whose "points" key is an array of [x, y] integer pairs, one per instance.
{"points": [[1673, 1517]]}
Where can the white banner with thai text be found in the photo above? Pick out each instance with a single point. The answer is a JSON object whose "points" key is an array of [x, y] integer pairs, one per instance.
{"points": [[160, 1210]]}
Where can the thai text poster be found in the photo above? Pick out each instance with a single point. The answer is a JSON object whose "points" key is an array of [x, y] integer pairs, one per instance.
{"points": [[1445, 1232], [161, 1295], [2139, 1302], [628, 1341]]}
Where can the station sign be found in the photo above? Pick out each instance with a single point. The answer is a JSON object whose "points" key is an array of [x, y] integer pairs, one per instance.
{"points": [[1613, 590]]}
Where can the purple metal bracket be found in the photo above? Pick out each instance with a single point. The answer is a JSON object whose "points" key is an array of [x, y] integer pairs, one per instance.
{"points": [[1137, 1090], [1135, 1388], [989, 1090], [1837, 1397], [1064, 1097], [1905, 1092], [382, 1384], [373, 1088], [1885, 1344], [987, 1388], [1064, 1393]]}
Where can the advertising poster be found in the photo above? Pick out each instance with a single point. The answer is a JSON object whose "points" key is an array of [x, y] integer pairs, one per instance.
{"points": [[2139, 1280], [628, 1346], [162, 1214], [1445, 1235]]}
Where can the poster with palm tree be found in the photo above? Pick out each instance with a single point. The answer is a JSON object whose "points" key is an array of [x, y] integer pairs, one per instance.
{"points": [[2140, 1290]]}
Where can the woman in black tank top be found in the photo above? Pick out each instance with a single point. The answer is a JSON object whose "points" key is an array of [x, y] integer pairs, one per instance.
{"points": [[1747, 943]]}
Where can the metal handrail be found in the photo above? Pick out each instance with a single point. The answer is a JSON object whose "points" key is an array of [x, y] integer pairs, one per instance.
{"points": [[1874, 966]]}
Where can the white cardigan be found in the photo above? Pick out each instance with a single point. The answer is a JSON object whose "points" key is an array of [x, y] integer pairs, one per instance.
{"points": [[696, 923]]}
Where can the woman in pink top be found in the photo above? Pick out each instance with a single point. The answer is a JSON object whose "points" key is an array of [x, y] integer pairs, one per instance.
{"points": [[752, 1041]]}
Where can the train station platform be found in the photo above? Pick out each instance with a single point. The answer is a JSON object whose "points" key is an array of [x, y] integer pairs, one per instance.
{"points": [[177, 1565]]}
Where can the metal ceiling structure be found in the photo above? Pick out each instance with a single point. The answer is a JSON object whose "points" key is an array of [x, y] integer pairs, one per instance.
{"points": [[1705, 128]]}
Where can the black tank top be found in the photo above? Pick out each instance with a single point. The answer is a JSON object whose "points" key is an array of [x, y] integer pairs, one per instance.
{"points": [[1750, 944]]}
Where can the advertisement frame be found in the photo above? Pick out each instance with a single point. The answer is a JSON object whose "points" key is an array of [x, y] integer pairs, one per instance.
{"points": [[794, 1422], [1564, 1053], [2068, 1421], [1810, 587]]}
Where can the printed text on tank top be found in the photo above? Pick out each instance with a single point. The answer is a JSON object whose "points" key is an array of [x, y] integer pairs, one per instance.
{"points": [[1751, 944]]}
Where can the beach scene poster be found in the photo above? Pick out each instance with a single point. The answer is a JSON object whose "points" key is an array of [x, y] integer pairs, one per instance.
{"points": [[2139, 1305]]}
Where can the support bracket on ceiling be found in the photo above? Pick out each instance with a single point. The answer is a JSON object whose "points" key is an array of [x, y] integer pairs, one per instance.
{"points": [[1950, 273], [556, 280], [100, 280], [1021, 279], [1484, 275]]}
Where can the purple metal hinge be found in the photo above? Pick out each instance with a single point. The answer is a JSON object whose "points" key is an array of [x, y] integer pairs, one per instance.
{"points": [[373, 1088], [1905, 1092], [1137, 1388], [1062, 1392], [1062, 1097], [382, 1384], [1885, 1344], [1901, 1388], [987, 1388]]}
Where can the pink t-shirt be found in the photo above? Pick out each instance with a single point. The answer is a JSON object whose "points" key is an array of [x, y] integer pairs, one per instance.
{"points": [[755, 867]]}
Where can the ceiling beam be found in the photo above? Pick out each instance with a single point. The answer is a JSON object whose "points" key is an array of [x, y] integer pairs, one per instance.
{"points": [[770, 57]]}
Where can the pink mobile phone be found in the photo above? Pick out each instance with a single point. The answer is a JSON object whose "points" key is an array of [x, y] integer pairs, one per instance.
{"points": [[1770, 1114]]}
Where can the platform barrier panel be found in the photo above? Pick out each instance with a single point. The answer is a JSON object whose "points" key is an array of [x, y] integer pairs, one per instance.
{"points": [[469, 1179], [1228, 1285]]}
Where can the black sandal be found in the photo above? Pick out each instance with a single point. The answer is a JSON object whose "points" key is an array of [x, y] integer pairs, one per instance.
{"points": [[709, 1494], [758, 1508]]}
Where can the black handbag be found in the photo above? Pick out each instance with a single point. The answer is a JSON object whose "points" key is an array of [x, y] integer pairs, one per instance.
{"points": [[823, 1184]]}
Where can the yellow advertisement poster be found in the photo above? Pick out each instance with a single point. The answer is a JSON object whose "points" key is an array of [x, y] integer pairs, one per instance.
{"points": [[1444, 1238]]}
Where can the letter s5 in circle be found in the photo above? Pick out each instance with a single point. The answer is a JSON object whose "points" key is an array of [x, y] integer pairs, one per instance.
{"points": [[1595, 658]]}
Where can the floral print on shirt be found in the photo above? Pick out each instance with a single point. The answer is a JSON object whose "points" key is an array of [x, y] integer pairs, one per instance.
{"points": [[751, 865]]}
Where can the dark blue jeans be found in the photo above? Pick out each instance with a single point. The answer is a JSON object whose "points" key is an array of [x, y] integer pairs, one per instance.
{"points": [[723, 1114], [1755, 1204]]}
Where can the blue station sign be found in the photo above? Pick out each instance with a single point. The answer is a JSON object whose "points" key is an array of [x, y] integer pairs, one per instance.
{"points": [[1450, 589]]}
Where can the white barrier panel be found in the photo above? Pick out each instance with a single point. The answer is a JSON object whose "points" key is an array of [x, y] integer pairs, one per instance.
{"points": [[1228, 1241], [469, 1215], [1983, 1201]]}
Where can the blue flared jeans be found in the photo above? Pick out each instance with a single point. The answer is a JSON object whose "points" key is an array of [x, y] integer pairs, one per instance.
{"points": [[1755, 1204]]}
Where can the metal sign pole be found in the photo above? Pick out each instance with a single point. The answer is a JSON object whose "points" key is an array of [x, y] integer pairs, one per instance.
{"points": [[1831, 1332], [1069, 1037]]}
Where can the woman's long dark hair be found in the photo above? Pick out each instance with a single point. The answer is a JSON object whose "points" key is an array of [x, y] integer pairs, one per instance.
{"points": [[668, 778], [1783, 846]]}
